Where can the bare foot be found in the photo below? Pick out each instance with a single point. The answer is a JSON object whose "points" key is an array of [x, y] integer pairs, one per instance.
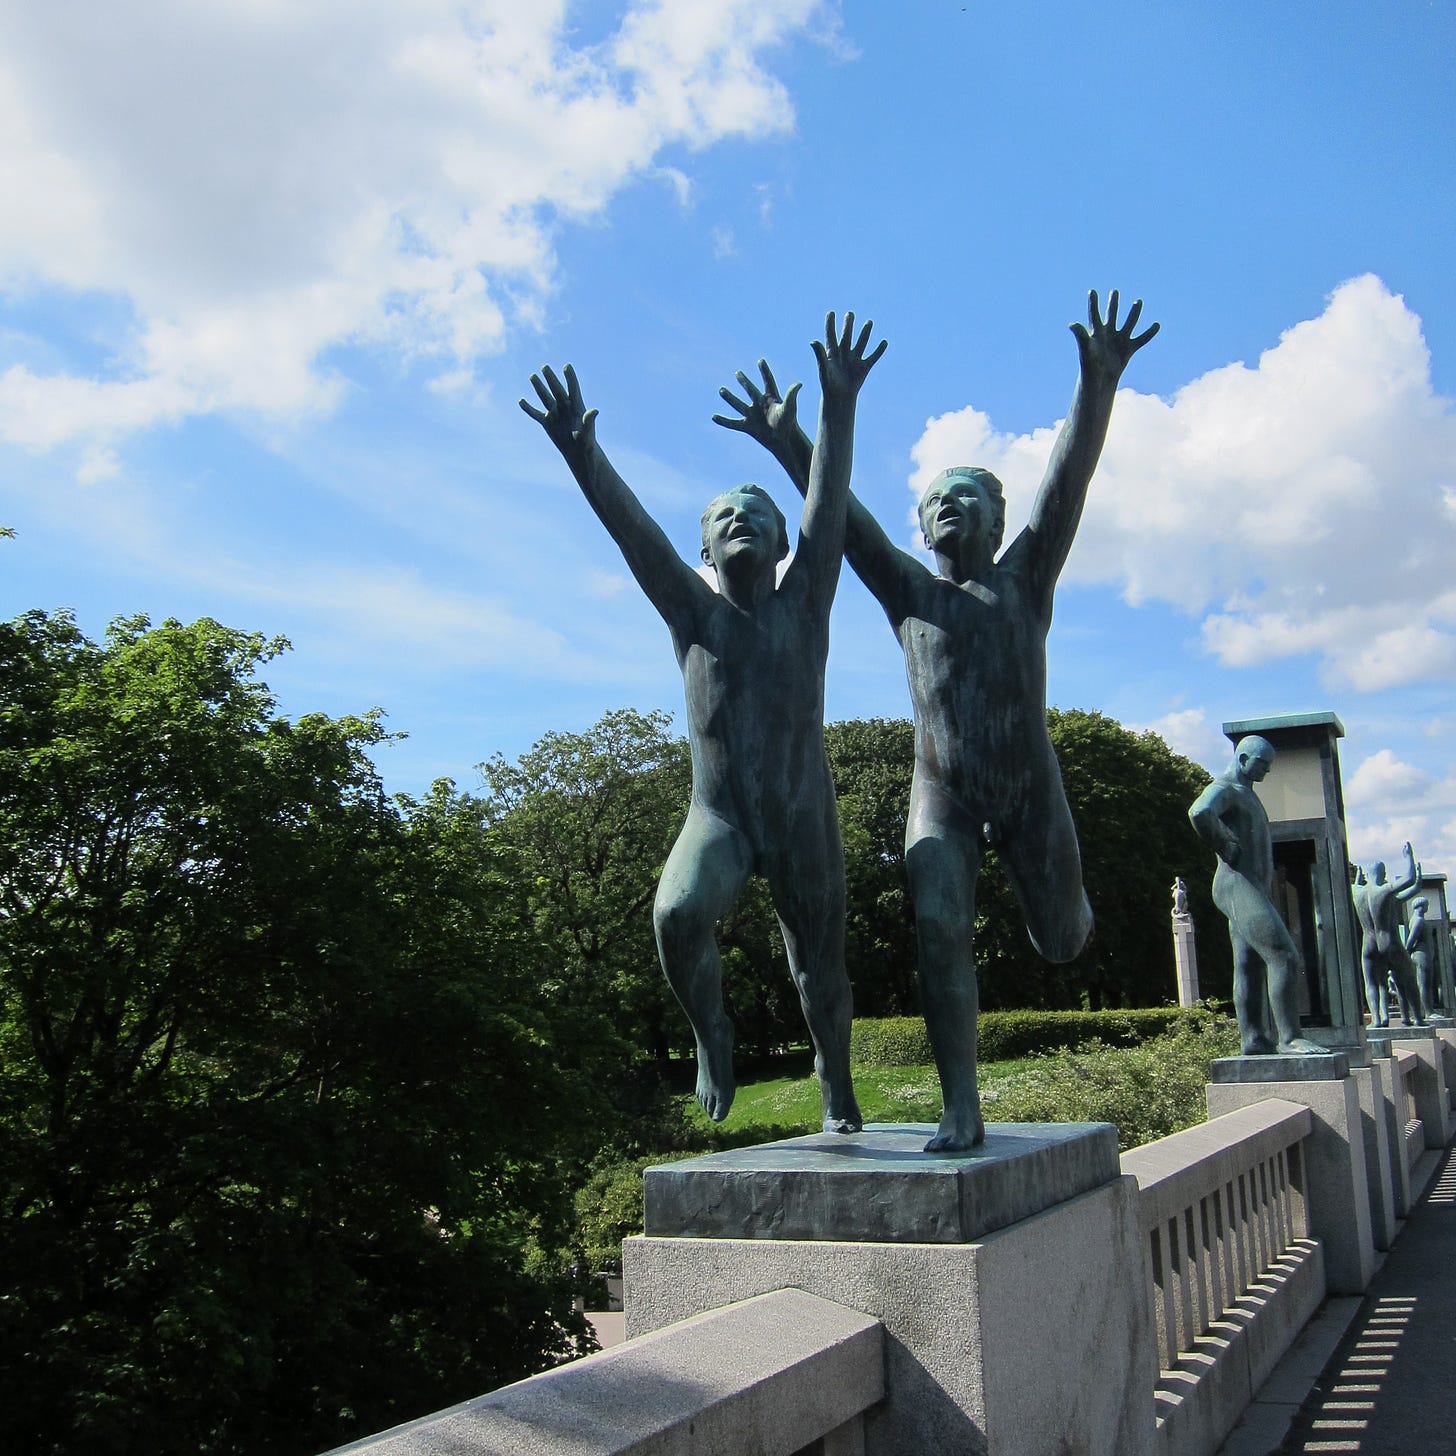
{"points": [[957, 1133], [716, 1086], [1257, 1046], [1297, 1046], [841, 1110]]}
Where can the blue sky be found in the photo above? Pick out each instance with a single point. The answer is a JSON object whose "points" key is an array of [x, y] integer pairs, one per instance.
{"points": [[272, 277]]}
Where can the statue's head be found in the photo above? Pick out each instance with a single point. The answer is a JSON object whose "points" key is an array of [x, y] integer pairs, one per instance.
{"points": [[1420, 903], [1377, 872], [1254, 756], [744, 519], [964, 500]]}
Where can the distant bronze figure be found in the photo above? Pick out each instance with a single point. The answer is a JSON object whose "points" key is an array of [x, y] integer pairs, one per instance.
{"points": [[1383, 956], [752, 656], [974, 639], [1229, 818], [1418, 939]]}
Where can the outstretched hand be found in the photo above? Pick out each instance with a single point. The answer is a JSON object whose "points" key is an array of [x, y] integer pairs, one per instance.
{"points": [[766, 416], [843, 366], [1104, 347], [571, 426]]}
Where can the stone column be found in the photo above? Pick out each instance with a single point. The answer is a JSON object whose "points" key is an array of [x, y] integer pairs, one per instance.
{"points": [[1336, 1183], [969, 1262], [1185, 957]]}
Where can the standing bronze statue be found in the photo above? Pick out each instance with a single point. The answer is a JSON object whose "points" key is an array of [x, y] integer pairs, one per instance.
{"points": [[1233, 823], [1383, 956], [752, 656], [974, 638]]}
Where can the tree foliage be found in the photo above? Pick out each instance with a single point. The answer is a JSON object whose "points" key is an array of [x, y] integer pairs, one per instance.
{"points": [[280, 1128]]}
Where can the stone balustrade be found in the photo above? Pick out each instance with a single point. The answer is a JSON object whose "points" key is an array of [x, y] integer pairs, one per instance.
{"points": [[784, 1374], [1232, 1270], [1234, 1266]]}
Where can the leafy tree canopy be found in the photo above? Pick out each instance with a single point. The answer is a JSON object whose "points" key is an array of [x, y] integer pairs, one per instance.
{"points": [[281, 1130]]}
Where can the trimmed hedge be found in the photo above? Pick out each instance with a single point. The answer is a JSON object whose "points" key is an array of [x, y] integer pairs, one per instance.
{"points": [[901, 1041]]}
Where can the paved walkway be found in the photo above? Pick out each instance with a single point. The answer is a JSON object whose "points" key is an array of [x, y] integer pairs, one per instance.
{"points": [[1375, 1374], [1390, 1387]]}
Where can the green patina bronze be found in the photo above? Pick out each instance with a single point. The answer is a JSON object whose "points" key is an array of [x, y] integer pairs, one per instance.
{"points": [[974, 636], [1229, 818], [752, 656]]}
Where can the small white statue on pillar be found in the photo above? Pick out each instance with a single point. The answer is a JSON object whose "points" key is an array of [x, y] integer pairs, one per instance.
{"points": [[1184, 953]]}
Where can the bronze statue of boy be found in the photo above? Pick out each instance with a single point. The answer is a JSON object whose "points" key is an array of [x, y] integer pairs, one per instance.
{"points": [[752, 656], [974, 638]]}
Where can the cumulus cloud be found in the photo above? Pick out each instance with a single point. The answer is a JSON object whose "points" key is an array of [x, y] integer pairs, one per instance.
{"points": [[1389, 801], [1191, 732], [263, 183], [1301, 506]]}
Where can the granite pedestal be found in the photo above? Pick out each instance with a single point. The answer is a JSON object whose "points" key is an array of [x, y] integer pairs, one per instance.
{"points": [[1433, 1102], [967, 1260], [1334, 1158], [1390, 1086], [1446, 1040]]}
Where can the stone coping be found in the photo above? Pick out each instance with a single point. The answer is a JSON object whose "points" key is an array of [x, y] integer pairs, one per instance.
{"points": [[1303, 1067], [879, 1186]]}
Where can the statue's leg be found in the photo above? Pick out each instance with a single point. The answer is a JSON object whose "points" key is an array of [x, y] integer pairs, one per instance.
{"points": [[1044, 865], [1377, 998], [1251, 998], [1260, 926], [704, 875], [1426, 979], [943, 860], [1412, 1003], [807, 886]]}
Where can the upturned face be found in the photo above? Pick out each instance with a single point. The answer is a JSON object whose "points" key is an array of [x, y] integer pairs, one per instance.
{"points": [[740, 523], [957, 509]]}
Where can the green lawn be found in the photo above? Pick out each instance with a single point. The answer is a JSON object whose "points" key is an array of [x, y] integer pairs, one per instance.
{"points": [[886, 1094]]}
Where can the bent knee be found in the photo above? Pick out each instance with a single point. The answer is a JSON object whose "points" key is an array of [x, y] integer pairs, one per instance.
{"points": [[680, 920], [1065, 938]]}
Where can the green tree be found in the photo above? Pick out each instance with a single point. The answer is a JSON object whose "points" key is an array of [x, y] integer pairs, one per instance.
{"points": [[281, 1133], [873, 760], [592, 817]]}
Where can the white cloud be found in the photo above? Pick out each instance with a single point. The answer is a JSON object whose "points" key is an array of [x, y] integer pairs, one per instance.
{"points": [[1192, 733], [263, 183], [1302, 506], [606, 584], [1389, 802]]}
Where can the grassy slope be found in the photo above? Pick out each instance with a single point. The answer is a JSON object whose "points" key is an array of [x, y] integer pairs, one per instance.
{"points": [[886, 1094]]}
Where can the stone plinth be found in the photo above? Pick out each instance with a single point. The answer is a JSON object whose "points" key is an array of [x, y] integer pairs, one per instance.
{"points": [[968, 1365], [1391, 1088], [1433, 1103], [1379, 1150], [879, 1185], [1305, 1067], [1334, 1161]]}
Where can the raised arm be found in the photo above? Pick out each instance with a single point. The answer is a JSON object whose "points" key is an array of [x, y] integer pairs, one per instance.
{"points": [[671, 585], [1406, 885], [843, 368], [772, 419], [1104, 351]]}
